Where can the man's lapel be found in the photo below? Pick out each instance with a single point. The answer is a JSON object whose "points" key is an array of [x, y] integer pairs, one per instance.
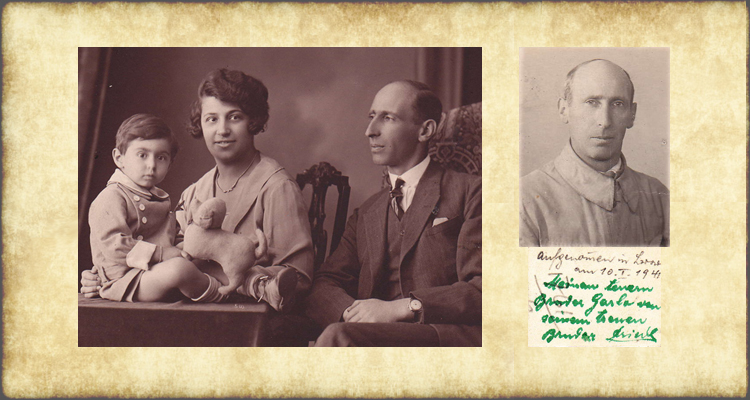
{"points": [[425, 201], [374, 220]]}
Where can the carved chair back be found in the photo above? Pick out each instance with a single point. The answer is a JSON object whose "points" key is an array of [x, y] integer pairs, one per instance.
{"points": [[320, 177]]}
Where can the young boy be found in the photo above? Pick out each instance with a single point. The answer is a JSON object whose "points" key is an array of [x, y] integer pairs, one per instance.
{"points": [[132, 226]]}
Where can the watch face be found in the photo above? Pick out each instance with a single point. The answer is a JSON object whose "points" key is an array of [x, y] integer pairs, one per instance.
{"points": [[415, 305]]}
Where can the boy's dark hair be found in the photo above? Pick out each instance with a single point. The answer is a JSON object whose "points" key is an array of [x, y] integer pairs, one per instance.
{"points": [[146, 127], [230, 86]]}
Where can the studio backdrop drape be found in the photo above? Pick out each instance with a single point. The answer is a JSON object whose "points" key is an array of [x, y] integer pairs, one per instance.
{"points": [[93, 69]]}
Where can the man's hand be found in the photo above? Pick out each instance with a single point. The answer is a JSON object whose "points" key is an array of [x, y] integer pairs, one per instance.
{"points": [[374, 310], [91, 284]]}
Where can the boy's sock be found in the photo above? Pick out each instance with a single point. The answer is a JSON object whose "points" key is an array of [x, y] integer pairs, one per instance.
{"points": [[212, 294], [277, 289]]}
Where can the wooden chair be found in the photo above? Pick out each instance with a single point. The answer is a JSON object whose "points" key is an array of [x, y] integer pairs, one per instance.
{"points": [[320, 177]]}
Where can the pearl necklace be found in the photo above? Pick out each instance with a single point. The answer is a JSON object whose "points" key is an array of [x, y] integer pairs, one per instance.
{"points": [[238, 179]]}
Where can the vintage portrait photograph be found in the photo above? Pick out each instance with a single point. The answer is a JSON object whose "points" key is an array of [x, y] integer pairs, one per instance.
{"points": [[594, 147], [280, 197]]}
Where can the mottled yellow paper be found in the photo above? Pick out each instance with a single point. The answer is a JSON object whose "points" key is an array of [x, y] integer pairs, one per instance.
{"points": [[704, 315]]}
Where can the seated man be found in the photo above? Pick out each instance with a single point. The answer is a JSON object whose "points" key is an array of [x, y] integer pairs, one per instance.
{"points": [[588, 196], [408, 270]]}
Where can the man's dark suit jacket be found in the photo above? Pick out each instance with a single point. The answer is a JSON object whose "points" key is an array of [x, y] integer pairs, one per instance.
{"points": [[441, 265]]}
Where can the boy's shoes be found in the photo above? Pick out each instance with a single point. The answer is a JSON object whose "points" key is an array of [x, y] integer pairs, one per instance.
{"points": [[277, 290]]}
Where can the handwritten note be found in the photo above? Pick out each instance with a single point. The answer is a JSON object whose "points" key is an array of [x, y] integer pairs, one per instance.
{"points": [[595, 297]]}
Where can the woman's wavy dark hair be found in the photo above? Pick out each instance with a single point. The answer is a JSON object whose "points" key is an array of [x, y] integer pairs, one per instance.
{"points": [[230, 86]]}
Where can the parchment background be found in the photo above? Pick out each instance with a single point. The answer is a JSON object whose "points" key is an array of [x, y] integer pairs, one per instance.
{"points": [[704, 281]]}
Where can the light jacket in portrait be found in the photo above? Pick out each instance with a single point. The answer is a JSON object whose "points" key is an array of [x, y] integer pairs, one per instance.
{"points": [[268, 199], [128, 224], [568, 203]]}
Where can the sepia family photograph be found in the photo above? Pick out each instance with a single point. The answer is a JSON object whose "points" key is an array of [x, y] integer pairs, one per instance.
{"points": [[280, 197]]}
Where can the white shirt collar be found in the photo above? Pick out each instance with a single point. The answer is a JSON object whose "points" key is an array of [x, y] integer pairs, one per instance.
{"points": [[411, 177], [593, 185]]}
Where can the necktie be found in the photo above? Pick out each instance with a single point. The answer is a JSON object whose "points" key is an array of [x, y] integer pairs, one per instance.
{"points": [[396, 195]]}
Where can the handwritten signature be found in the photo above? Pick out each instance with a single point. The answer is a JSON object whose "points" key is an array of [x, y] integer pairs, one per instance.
{"points": [[619, 335]]}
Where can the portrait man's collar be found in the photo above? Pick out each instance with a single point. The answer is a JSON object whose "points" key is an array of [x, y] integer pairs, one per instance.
{"points": [[594, 186], [411, 177]]}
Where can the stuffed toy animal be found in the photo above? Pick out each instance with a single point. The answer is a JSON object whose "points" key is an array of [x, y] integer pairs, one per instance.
{"points": [[204, 239]]}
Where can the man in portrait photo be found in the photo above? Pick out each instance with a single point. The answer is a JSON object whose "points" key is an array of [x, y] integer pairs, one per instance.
{"points": [[408, 270], [589, 195], [421, 278]]}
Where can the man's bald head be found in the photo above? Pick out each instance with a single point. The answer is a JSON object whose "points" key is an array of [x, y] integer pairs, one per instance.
{"points": [[426, 103], [596, 63]]}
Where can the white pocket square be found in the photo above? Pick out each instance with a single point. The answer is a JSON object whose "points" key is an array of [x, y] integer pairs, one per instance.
{"points": [[438, 221]]}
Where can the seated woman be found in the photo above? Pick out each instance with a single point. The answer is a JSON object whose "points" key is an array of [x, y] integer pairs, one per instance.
{"points": [[231, 109]]}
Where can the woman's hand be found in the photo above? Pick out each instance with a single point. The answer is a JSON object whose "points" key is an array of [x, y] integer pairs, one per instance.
{"points": [[184, 254], [91, 284], [261, 252], [172, 252]]}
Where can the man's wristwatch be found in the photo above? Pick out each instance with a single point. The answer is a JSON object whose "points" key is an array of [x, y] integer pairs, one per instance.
{"points": [[415, 306]]}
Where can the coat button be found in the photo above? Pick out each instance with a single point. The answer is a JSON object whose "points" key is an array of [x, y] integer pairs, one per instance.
{"points": [[402, 233], [141, 207], [144, 220], [139, 237], [137, 198]]}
